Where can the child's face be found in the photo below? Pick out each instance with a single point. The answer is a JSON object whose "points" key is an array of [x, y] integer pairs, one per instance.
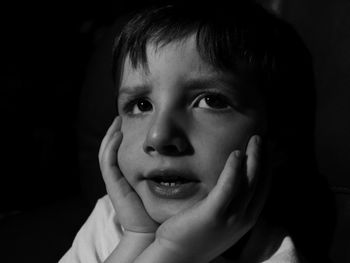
{"points": [[180, 121]]}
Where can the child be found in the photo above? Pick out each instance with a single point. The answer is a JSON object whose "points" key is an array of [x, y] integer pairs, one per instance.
{"points": [[207, 140]]}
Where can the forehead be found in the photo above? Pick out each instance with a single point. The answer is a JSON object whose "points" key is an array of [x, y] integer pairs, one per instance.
{"points": [[177, 66], [178, 60]]}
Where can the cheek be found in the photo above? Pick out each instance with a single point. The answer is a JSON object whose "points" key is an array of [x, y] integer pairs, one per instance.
{"points": [[215, 145], [129, 152], [224, 138]]}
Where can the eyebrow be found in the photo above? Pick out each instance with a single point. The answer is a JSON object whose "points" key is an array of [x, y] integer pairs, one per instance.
{"points": [[141, 89], [228, 84], [194, 84]]}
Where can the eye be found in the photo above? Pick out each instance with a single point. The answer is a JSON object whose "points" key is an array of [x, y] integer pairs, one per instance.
{"points": [[213, 101], [138, 106]]}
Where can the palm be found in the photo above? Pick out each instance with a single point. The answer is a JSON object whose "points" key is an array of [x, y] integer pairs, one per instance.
{"points": [[217, 222], [195, 226], [133, 216]]}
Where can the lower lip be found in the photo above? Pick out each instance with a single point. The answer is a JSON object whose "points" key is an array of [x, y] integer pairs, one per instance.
{"points": [[180, 191]]}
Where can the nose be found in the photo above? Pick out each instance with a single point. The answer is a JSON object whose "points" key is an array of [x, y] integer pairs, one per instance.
{"points": [[167, 136]]}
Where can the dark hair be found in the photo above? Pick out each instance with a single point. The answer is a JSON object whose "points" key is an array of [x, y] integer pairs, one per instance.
{"points": [[225, 39], [240, 38], [245, 37]]}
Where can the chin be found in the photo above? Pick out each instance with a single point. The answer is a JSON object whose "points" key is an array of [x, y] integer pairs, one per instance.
{"points": [[162, 210], [161, 213]]}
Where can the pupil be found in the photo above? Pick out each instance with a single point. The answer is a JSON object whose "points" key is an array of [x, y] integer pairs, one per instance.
{"points": [[144, 105], [215, 102]]}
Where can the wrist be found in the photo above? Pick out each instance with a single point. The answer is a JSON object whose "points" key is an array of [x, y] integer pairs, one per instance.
{"points": [[131, 245], [178, 253]]}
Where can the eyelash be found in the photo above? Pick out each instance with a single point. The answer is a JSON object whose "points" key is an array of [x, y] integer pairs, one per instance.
{"points": [[129, 105], [218, 96]]}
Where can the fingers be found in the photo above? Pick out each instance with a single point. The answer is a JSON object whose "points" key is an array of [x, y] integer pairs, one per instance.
{"points": [[109, 163], [115, 126], [228, 183], [108, 158], [237, 182], [258, 186], [253, 158], [116, 184], [258, 180], [257, 200], [132, 214]]}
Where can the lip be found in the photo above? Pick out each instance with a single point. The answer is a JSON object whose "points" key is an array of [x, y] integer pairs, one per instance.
{"points": [[158, 182], [170, 172]]}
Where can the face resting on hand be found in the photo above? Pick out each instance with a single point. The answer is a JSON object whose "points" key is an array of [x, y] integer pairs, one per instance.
{"points": [[181, 118]]}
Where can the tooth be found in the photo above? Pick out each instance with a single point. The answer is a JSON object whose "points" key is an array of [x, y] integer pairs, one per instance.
{"points": [[172, 184]]}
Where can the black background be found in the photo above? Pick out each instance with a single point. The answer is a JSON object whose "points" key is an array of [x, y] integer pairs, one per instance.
{"points": [[45, 50]]}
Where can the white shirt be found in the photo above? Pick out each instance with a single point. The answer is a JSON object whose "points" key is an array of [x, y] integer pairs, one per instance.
{"points": [[101, 233]]}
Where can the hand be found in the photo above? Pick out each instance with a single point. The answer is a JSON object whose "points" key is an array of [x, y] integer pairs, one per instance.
{"points": [[205, 230], [130, 210]]}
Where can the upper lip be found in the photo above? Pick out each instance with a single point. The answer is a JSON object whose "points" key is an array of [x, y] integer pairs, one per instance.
{"points": [[171, 173]]}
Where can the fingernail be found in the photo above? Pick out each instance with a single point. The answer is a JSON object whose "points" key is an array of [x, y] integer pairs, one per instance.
{"points": [[238, 154], [257, 139], [118, 133]]}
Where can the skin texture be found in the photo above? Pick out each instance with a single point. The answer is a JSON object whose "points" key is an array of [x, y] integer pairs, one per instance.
{"points": [[200, 233], [172, 116]]}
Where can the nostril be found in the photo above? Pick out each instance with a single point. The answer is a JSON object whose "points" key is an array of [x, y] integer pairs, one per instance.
{"points": [[149, 149], [164, 149], [167, 139], [170, 150]]}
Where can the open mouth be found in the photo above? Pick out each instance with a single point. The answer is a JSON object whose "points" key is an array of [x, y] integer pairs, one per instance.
{"points": [[172, 184], [170, 181]]}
